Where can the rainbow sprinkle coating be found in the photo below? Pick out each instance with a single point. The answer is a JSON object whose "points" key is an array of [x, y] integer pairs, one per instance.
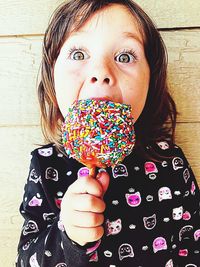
{"points": [[98, 133]]}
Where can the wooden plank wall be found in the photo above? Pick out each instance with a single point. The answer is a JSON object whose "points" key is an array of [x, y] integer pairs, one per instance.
{"points": [[22, 24]]}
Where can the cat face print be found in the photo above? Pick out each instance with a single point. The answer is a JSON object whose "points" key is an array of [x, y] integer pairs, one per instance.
{"points": [[113, 227], [177, 213], [133, 200], [163, 145], [45, 152], [150, 222]]}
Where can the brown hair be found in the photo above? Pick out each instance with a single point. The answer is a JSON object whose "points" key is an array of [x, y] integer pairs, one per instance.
{"points": [[158, 119]]}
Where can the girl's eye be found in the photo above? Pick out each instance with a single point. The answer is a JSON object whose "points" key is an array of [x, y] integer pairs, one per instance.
{"points": [[126, 57], [77, 54]]}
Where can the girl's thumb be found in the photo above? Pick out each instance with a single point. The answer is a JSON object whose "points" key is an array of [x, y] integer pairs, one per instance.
{"points": [[104, 179]]}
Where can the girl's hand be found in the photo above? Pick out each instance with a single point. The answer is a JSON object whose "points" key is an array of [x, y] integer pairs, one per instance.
{"points": [[82, 208]]}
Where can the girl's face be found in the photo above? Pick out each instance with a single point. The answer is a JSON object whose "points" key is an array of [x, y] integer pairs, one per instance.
{"points": [[104, 59]]}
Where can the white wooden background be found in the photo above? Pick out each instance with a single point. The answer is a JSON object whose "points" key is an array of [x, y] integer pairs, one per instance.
{"points": [[22, 24]]}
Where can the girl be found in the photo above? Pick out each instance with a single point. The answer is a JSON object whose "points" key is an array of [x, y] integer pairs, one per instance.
{"points": [[143, 212]]}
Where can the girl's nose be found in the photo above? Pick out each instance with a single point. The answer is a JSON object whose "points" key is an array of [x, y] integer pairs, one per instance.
{"points": [[105, 80], [102, 73], [101, 80]]}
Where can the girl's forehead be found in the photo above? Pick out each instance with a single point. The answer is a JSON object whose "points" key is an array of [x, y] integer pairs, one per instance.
{"points": [[114, 19]]}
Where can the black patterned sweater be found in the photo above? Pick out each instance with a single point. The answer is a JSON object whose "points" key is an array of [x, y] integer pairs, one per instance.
{"points": [[152, 216]]}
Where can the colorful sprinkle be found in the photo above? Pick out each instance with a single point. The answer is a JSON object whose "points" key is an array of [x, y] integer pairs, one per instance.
{"points": [[98, 133]]}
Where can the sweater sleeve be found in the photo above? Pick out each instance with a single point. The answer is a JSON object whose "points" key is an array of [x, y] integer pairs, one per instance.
{"points": [[43, 241], [187, 230]]}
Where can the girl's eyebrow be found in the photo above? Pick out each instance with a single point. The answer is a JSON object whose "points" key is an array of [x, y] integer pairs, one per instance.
{"points": [[125, 34], [133, 36]]}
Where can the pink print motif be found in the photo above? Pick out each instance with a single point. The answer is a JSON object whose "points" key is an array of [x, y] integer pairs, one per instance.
{"points": [[94, 257], [197, 235], [183, 252], [159, 244], [150, 167], [186, 216], [58, 199], [193, 188], [34, 202], [133, 200], [58, 202], [92, 249]]}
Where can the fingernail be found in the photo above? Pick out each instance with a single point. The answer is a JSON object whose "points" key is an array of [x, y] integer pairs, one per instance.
{"points": [[100, 171], [83, 172]]}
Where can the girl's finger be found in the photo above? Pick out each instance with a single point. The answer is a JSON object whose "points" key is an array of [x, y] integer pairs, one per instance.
{"points": [[86, 219], [87, 202], [86, 185], [104, 179]]}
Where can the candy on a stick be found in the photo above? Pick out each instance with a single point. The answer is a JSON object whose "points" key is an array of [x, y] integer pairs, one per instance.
{"points": [[98, 133]]}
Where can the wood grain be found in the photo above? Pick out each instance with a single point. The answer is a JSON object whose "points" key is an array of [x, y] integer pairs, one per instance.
{"points": [[20, 61], [15, 146], [184, 72], [188, 137], [31, 17]]}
